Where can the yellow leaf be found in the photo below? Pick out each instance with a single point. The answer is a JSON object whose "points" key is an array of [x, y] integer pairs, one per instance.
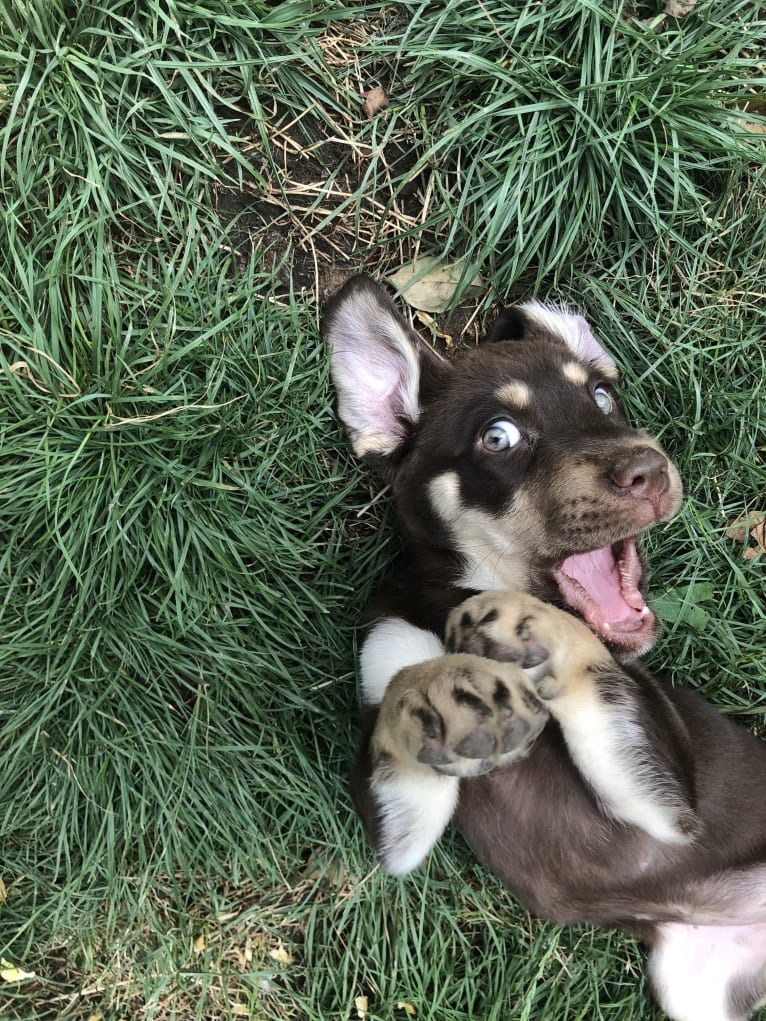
{"points": [[401, 1005], [361, 1003], [429, 285], [10, 973], [240, 1010], [199, 943], [430, 323], [281, 956]]}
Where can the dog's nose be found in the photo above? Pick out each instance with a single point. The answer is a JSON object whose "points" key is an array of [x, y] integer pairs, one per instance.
{"points": [[641, 472]]}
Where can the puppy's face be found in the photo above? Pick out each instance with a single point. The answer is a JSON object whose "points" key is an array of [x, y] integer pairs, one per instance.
{"points": [[516, 455]]}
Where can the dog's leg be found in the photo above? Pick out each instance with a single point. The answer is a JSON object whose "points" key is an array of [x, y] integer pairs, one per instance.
{"points": [[709, 972], [438, 720], [390, 803], [712, 965], [623, 734]]}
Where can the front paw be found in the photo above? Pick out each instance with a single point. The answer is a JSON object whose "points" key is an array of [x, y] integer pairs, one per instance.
{"points": [[624, 737], [556, 650], [460, 715]]}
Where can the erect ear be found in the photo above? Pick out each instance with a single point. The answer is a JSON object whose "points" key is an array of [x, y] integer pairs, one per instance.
{"points": [[379, 366], [509, 325], [514, 322]]}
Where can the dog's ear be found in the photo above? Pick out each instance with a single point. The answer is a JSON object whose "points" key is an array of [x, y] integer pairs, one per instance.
{"points": [[380, 367], [511, 324], [516, 322]]}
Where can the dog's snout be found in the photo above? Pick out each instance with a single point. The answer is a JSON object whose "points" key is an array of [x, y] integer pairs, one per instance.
{"points": [[642, 473]]}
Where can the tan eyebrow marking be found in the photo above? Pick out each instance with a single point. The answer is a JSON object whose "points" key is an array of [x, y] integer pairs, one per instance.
{"points": [[608, 368], [575, 373], [515, 392]]}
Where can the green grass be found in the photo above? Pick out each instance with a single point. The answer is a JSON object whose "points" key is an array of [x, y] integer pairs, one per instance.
{"points": [[187, 544]]}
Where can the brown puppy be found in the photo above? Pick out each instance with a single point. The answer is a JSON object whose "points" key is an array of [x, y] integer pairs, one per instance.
{"points": [[592, 790]]}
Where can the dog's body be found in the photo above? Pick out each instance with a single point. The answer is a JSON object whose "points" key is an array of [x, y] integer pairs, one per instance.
{"points": [[594, 792]]}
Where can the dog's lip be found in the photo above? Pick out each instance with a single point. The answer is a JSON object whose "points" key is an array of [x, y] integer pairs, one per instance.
{"points": [[602, 587]]}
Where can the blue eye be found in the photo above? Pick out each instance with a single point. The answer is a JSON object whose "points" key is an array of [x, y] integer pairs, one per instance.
{"points": [[603, 399], [501, 435]]}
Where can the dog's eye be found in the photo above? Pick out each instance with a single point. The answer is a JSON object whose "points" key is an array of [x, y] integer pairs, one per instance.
{"points": [[501, 435], [603, 399]]}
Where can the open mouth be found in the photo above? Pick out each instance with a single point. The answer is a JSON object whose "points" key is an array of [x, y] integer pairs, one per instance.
{"points": [[602, 587]]}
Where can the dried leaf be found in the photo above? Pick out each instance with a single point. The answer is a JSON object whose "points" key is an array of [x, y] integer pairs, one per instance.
{"points": [[375, 100], [281, 956], [430, 323], [737, 530], [362, 1005], [333, 872], [679, 8], [751, 526], [3, 891], [429, 285], [758, 533], [408, 1007], [199, 943], [10, 973], [240, 1010]]}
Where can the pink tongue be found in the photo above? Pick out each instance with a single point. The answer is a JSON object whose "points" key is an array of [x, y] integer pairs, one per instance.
{"points": [[598, 574]]}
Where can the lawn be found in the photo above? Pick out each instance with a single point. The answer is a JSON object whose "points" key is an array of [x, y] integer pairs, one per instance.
{"points": [[187, 542]]}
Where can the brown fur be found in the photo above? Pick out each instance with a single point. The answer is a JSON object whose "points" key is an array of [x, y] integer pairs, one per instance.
{"points": [[636, 804]]}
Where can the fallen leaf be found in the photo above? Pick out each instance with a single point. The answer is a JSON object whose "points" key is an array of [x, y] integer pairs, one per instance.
{"points": [[333, 872], [751, 526], [10, 973], [430, 324], [281, 956], [429, 285], [375, 100], [361, 1003], [737, 530], [758, 533], [199, 944], [240, 1010], [679, 8], [408, 1007]]}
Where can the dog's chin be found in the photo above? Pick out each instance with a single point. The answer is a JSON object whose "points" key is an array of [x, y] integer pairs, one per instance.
{"points": [[603, 587]]}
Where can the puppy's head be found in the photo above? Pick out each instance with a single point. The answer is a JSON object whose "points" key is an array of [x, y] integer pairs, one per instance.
{"points": [[515, 455]]}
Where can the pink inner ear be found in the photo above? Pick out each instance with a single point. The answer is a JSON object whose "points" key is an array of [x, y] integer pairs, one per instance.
{"points": [[372, 382]]}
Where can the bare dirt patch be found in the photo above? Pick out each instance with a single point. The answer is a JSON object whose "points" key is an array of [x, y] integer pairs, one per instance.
{"points": [[327, 200]]}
